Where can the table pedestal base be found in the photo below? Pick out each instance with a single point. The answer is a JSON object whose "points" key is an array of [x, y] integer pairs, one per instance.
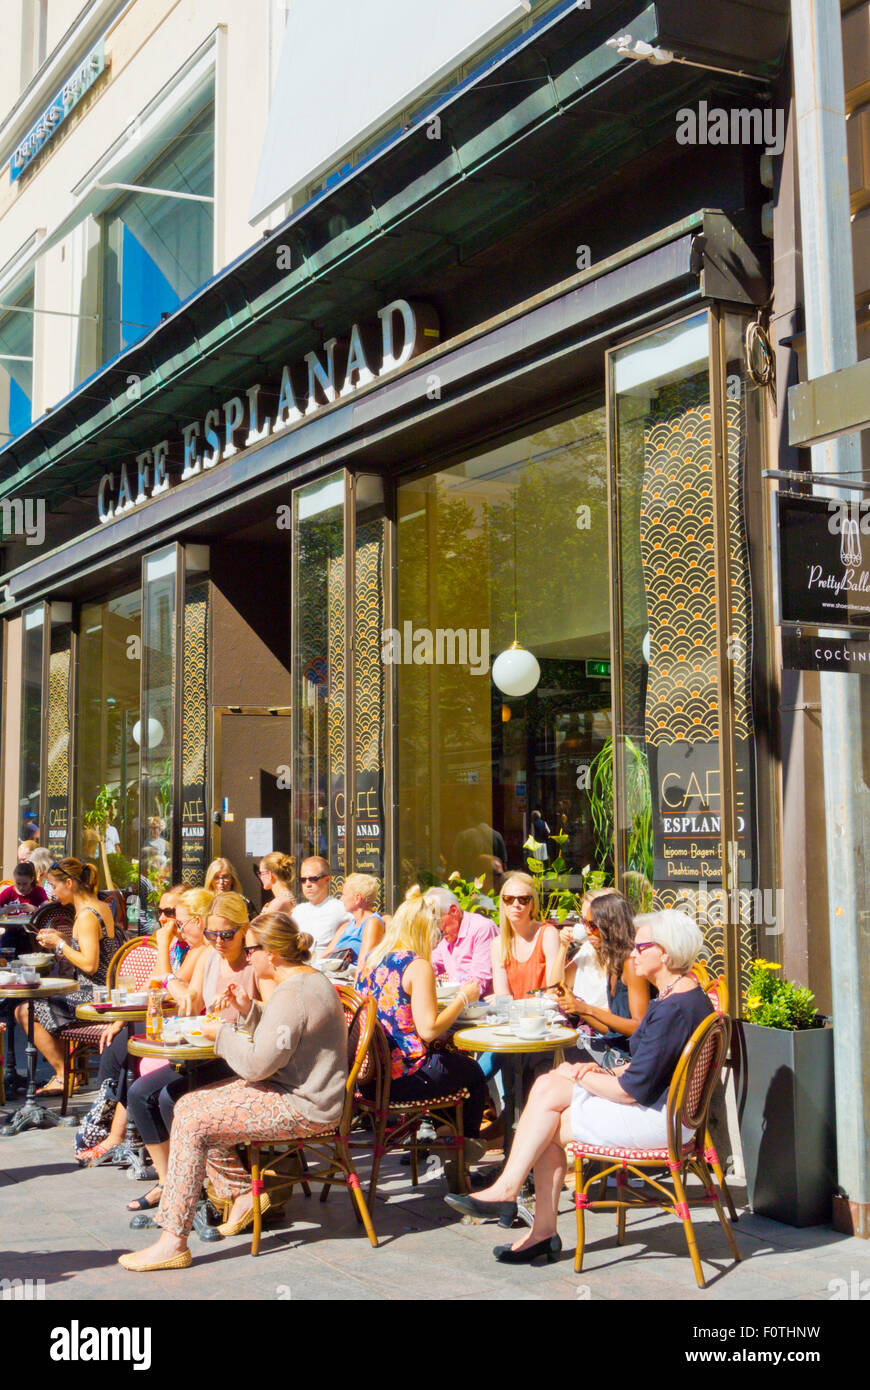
{"points": [[30, 1116]]}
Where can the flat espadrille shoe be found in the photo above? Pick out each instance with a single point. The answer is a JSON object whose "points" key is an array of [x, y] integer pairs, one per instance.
{"points": [[235, 1228], [181, 1261]]}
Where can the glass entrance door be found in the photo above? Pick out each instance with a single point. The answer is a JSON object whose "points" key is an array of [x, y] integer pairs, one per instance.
{"points": [[251, 801]]}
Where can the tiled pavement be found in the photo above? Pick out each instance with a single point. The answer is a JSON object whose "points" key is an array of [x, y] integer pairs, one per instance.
{"points": [[67, 1227]]}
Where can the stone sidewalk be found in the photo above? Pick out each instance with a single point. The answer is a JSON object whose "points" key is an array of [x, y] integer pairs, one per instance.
{"points": [[68, 1226]]}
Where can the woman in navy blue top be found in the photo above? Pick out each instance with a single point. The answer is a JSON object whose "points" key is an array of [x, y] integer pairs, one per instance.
{"points": [[625, 1106]]}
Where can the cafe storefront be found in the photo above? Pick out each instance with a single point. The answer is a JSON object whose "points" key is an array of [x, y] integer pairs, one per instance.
{"points": [[282, 575]]}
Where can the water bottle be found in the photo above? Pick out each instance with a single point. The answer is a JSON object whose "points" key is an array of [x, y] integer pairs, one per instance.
{"points": [[133, 911], [154, 1014]]}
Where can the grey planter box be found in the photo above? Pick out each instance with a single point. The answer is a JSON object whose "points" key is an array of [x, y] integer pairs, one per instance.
{"points": [[785, 1104]]}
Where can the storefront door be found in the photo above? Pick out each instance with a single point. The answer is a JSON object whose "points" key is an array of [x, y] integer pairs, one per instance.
{"points": [[251, 789]]}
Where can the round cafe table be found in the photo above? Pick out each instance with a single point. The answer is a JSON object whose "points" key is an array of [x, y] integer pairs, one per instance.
{"points": [[183, 1055], [31, 1115]]}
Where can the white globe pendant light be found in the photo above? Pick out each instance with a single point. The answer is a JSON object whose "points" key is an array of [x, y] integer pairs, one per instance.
{"points": [[155, 732], [516, 671]]}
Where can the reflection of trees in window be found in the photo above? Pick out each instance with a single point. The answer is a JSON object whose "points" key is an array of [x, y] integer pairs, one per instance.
{"points": [[16, 369]]}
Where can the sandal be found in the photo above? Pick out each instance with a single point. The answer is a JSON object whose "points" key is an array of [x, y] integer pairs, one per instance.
{"points": [[143, 1204], [96, 1155], [54, 1087]]}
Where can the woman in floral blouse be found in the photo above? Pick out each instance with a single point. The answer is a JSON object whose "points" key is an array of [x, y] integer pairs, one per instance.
{"points": [[399, 975]]}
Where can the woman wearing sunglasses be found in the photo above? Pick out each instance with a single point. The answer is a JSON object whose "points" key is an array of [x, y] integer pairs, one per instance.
{"points": [[525, 954], [580, 1101], [151, 1100], [610, 926]]}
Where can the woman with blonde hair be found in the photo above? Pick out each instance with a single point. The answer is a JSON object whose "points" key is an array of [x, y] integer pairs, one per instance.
{"points": [[290, 1077], [359, 894], [151, 1100], [275, 873], [398, 973], [526, 952]]}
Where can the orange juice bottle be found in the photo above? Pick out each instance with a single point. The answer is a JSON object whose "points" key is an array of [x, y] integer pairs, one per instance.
{"points": [[154, 1014]]}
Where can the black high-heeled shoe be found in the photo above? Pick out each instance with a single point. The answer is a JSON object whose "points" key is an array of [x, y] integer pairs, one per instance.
{"points": [[504, 1212], [548, 1251]]}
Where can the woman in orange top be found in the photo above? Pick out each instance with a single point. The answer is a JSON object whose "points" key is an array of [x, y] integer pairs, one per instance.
{"points": [[525, 952]]}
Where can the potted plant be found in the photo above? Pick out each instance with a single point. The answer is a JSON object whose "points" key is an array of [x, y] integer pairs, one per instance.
{"points": [[784, 1057]]}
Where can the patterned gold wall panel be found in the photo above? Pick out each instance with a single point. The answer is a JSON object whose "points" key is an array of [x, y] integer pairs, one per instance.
{"points": [[57, 777], [677, 544], [368, 667], [195, 713], [335, 649]]}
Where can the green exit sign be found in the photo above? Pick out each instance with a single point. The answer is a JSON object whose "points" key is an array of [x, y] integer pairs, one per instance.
{"points": [[598, 668]]}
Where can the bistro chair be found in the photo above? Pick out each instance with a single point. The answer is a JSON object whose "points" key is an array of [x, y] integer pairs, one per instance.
{"points": [[286, 1159], [717, 993], [688, 1102], [78, 1040], [2, 1063], [396, 1121]]}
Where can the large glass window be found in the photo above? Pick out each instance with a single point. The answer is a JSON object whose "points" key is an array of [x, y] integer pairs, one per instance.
{"points": [[320, 737], [158, 250], [512, 543], [107, 747], [31, 724], [156, 734], [16, 368]]}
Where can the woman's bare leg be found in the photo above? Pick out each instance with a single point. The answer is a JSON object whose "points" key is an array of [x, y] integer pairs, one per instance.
{"points": [[537, 1131], [46, 1042], [549, 1179]]}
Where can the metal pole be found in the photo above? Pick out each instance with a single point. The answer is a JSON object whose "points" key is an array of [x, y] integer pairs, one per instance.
{"points": [[829, 306]]}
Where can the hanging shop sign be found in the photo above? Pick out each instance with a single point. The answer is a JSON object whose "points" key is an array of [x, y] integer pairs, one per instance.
{"points": [[333, 373], [57, 111], [803, 652], [824, 561], [687, 811]]}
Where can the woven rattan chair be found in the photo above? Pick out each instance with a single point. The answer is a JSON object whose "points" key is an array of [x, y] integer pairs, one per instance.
{"points": [[287, 1160], [717, 993], [138, 958], [688, 1101], [395, 1121]]}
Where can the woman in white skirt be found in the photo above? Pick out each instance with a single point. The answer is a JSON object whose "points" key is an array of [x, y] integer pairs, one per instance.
{"points": [[624, 1107]]}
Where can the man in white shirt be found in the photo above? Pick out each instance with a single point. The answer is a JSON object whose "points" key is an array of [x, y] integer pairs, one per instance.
{"points": [[319, 915]]}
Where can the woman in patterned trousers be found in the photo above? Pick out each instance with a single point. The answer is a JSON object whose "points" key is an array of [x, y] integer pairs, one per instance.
{"points": [[291, 1061]]}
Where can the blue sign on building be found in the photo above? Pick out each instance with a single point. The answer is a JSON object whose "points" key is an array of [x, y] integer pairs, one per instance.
{"points": [[57, 110]]}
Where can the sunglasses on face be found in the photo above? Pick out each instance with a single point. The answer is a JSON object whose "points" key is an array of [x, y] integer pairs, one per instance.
{"points": [[522, 898], [220, 935], [312, 878], [166, 912], [249, 950], [641, 946]]}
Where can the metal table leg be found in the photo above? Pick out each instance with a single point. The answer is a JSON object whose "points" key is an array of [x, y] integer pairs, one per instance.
{"points": [[31, 1115]]}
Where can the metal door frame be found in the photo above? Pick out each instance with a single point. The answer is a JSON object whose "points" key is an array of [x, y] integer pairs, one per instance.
{"points": [[216, 719]]}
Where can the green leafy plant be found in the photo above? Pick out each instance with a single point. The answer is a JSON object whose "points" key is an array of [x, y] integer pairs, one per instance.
{"points": [[124, 871], [557, 898], [773, 1002], [638, 806], [470, 895], [98, 819]]}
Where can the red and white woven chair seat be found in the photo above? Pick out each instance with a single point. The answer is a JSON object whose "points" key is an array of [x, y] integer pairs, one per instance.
{"points": [[428, 1103], [661, 1155], [82, 1033]]}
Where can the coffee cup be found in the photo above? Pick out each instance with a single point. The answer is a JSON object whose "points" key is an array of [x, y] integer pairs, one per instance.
{"points": [[579, 933], [532, 1026]]}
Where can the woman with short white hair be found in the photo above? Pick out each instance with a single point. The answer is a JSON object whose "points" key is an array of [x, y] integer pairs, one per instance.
{"points": [[624, 1106]]}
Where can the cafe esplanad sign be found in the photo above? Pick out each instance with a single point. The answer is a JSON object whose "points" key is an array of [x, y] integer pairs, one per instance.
{"points": [[321, 378]]}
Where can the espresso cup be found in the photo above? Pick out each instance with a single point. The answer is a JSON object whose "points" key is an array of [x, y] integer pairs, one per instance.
{"points": [[532, 1026]]}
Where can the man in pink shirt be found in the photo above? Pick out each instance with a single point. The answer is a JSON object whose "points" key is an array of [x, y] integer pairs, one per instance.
{"points": [[464, 951]]}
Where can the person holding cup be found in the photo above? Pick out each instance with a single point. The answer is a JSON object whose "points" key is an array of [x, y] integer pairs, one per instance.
{"points": [[609, 922], [584, 1103]]}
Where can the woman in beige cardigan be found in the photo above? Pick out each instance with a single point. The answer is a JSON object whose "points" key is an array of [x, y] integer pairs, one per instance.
{"points": [[291, 1062]]}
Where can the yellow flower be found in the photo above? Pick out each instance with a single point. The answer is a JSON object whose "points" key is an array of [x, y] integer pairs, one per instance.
{"points": [[753, 1001], [772, 965]]}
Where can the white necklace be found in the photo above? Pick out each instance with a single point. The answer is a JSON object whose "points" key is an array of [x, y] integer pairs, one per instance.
{"points": [[663, 994]]}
